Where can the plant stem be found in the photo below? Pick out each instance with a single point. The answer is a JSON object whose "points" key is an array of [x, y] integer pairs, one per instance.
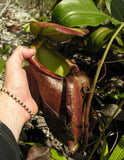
{"points": [[54, 4], [96, 78]]}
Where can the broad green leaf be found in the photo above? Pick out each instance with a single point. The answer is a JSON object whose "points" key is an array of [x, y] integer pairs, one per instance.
{"points": [[52, 60], [104, 155], [118, 153], [72, 13], [55, 155], [116, 8], [2, 65], [98, 38], [56, 32]]}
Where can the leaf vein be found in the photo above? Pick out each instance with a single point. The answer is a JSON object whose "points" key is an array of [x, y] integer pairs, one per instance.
{"points": [[71, 14]]}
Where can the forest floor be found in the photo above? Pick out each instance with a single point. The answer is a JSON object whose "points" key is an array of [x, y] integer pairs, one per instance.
{"points": [[13, 18]]}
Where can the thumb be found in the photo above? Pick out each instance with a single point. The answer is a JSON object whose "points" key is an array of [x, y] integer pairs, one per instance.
{"points": [[20, 53]]}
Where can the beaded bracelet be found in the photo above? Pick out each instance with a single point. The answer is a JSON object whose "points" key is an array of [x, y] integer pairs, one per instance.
{"points": [[18, 101]]}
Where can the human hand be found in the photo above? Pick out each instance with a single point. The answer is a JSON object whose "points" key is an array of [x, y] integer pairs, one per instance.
{"points": [[16, 83], [15, 77]]}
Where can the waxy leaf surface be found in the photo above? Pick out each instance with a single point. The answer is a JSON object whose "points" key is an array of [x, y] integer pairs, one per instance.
{"points": [[116, 8], [74, 13], [118, 153], [61, 94], [98, 38], [56, 32], [62, 104]]}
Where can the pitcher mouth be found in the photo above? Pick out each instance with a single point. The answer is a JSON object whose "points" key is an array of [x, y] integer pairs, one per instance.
{"points": [[48, 61], [40, 68]]}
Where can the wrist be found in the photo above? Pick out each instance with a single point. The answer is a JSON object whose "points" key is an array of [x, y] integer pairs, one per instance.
{"points": [[17, 100], [12, 114]]}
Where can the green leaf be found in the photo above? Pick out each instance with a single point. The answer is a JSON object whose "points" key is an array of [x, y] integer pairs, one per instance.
{"points": [[2, 51], [119, 40], [121, 95], [2, 65], [56, 32], [74, 13], [116, 9], [98, 38], [114, 95], [117, 48], [104, 155], [55, 155], [118, 153], [27, 27]]}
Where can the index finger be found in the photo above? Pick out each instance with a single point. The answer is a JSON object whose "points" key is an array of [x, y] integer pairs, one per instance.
{"points": [[20, 53]]}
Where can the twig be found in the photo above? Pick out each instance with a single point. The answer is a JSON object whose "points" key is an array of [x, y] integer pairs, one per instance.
{"points": [[54, 4], [115, 142], [108, 85], [117, 61], [95, 81], [100, 137], [5, 8], [103, 75]]}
